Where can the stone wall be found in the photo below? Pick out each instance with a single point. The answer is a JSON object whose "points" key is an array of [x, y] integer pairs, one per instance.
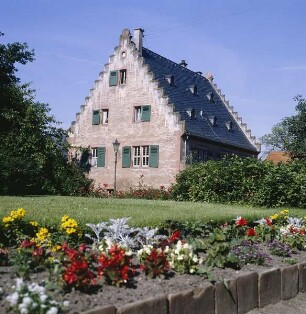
{"points": [[233, 296], [164, 128]]}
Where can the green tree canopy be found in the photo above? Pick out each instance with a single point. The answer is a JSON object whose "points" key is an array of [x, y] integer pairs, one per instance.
{"points": [[32, 154], [290, 134]]}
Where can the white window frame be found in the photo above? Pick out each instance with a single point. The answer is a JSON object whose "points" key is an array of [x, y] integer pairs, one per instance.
{"points": [[137, 114], [94, 157], [141, 155], [104, 119], [122, 76]]}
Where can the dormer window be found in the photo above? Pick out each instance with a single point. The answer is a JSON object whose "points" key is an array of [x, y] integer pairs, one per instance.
{"points": [[122, 76], [170, 79], [213, 120], [193, 89], [210, 97], [229, 125], [192, 113]]}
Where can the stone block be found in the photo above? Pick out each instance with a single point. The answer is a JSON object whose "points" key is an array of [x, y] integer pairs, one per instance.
{"points": [[269, 287], [109, 309], [247, 292], [226, 297], [150, 306], [302, 277], [197, 301], [290, 282]]}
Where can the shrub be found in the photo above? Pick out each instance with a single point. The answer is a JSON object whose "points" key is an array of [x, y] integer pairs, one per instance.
{"points": [[243, 181]]}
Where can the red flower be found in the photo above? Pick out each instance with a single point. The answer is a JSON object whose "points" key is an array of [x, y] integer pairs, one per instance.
{"points": [[251, 232], [241, 222], [175, 236], [268, 221]]}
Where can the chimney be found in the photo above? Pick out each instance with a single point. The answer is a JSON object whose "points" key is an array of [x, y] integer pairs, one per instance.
{"points": [[183, 63], [138, 35]]}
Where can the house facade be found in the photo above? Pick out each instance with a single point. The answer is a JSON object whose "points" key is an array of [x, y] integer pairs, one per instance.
{"points": [[163, 115]]}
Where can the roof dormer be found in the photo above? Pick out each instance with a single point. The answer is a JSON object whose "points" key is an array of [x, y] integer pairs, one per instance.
{"points": [[193, 89], [170, 79]]}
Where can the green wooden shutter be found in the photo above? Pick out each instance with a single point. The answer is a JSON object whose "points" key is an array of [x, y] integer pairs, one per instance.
{"points": [[95, 117], [126, 156], [113, 78], [154, 156], [145, 113], [101, 157]]}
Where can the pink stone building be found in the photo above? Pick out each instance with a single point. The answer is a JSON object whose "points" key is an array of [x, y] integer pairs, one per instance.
{"points": [[163, 115]]}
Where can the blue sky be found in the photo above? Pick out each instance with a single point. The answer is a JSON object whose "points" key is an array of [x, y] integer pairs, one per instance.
{"points": [[255, 49]]}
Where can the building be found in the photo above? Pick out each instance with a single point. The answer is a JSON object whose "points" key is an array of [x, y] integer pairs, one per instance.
{"points": [[163, 115], [278, 157]]}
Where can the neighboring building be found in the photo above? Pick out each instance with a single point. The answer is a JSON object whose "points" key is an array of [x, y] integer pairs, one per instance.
{"points": [[277, 157], [163, 114]]}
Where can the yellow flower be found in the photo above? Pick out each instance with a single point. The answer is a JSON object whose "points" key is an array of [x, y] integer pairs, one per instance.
{"points": [[56, 248], [34, 223], [42, 234], [7, 219], [273, 217], [284, 212], [64, 218], [18, 214]]}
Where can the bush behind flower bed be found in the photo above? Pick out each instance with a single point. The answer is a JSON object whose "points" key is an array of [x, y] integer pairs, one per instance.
{"points": [[243, 181]]}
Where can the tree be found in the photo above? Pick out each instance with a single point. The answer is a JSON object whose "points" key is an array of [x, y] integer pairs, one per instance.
{"points": [[290, 134], [32, 145]]}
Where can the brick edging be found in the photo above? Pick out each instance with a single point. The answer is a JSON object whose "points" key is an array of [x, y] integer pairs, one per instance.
{"points": [[233, 296]]}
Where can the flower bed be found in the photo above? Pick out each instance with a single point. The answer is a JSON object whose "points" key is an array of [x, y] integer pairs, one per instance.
{"points": [[53, 266]]}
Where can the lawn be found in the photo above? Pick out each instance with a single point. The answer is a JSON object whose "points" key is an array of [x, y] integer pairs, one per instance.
{"points": [[48, 210]]}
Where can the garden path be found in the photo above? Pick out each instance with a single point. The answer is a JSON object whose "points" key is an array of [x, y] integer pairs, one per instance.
{"points": [[296, 305]]}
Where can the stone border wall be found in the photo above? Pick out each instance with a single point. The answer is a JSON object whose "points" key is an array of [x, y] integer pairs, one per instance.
{"points": [[233, 296]]}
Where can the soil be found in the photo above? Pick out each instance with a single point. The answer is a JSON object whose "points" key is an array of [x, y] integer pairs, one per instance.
{"points": [[144, 288]]}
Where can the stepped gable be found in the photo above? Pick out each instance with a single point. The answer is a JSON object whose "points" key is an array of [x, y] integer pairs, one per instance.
{"points": [[190, 94]]}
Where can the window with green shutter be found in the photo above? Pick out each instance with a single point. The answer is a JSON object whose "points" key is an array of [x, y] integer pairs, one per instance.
{"points": [[101, 157], [113, 78], [95, 117], [154, 156], [126, 156], [145, 113]]}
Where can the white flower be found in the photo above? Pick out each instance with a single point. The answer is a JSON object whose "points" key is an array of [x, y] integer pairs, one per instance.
{"points": [[13, 298], [166, 250], [27, 301], [22, 309], [43, 298], [66, 303], [52, 310]]}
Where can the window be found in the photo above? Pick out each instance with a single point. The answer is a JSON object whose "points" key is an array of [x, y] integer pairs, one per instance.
{"points": [[95, 117], [94, 157], [113, 78], [98, 157], [104, 116], [137, 114], [122, 78], [142, 156], [142, 113]]}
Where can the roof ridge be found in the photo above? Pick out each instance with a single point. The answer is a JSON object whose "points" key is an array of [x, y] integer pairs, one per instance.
{"points": [[175, 63]]}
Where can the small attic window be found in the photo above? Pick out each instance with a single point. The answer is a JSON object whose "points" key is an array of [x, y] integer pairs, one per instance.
{"points": [[170, 79], [213, 120], [229, 125], [193, 89], [192, 113], [123, 54], [210, 97]]}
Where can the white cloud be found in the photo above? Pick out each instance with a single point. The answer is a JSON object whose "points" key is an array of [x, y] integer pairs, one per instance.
{"points": [[291, 68]]}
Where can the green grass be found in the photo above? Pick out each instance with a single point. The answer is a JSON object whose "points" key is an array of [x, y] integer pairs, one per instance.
{"points": [[48, 210]]}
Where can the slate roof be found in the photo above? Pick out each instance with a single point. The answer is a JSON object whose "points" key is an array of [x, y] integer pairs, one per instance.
{"points": [[185, 101]]}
